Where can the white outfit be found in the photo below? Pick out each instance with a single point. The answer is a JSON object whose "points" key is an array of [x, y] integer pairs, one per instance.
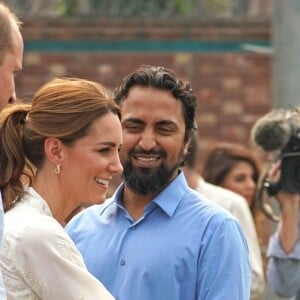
{"points": [[238, 207], [39, 260]]}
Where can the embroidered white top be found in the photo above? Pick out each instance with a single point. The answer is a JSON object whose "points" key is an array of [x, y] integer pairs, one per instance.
{"points": [[39, 260]]}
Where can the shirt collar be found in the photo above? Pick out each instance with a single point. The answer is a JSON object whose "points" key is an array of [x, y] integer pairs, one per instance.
{"points": [[168, 199]]}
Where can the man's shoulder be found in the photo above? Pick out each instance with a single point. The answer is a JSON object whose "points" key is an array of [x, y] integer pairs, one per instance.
{"points": [[206, 209], [221, 196]]}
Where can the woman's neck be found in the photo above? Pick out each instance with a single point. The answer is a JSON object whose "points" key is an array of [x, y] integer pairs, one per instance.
{"points": [[49, 189]]}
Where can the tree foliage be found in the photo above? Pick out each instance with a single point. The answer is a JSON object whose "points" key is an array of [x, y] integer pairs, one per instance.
{"points": [[140, 8]]}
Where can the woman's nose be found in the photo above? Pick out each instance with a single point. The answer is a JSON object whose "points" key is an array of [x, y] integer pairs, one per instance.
{"points": [[116, 166]]}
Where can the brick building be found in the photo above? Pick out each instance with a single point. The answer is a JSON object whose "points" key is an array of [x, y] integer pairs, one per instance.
{"points": [[233, 84]]}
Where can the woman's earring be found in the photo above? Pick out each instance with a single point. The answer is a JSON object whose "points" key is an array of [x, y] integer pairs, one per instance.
{"points": [[57, 169]]}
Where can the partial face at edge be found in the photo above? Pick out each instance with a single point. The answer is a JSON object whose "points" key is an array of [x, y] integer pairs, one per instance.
{"points": [[11, 65]]}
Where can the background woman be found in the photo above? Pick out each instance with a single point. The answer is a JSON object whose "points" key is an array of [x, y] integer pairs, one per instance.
{"points": [[235, 167]]}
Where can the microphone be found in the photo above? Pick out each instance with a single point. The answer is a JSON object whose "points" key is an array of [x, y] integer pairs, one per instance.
{"points": [[274, 130]]}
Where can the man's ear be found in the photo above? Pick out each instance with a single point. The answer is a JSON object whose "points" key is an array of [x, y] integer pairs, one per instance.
{"points": [[186, 146], [53, 149]]}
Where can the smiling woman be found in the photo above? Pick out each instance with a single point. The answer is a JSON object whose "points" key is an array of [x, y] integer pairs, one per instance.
{"points": [[234, 167], [65, 147]]}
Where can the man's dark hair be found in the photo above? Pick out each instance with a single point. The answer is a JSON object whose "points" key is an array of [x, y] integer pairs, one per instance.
{"points": [[164, 79]]}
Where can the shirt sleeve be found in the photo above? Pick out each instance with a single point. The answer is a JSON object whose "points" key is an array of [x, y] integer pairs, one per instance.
{"points": [[283, 270], [224, 270], [49, 262]]}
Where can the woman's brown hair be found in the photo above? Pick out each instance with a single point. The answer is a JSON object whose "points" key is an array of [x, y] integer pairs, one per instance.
{"points": [[222, 158], [64, 108]]}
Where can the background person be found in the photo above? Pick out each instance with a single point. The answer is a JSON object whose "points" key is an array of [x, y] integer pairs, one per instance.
{"points": [[277, 133], [11, 57], [64, 146], [235, 167], [11, 54], [284, 255], [158, 238]]}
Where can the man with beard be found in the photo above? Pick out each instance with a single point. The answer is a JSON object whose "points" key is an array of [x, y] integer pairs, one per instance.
{"points": [[157, 239], [11, 57]]}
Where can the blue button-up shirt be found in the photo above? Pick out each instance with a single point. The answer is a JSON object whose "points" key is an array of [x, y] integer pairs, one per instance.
{"points": [[283, 270], [184, 247], [2, 290]]}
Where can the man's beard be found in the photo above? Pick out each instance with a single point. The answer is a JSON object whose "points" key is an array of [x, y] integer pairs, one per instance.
{"points": [[145, 181]]}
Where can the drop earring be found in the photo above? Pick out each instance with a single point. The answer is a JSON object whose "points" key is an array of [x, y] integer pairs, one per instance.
{"points": [[57, 169]]}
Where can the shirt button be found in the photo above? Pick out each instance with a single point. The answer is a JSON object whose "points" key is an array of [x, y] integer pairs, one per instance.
{"points": [[133, 228], [122, 263]]}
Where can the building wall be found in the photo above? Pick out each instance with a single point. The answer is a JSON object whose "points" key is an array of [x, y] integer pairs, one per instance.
{"points": [[233, 84]]}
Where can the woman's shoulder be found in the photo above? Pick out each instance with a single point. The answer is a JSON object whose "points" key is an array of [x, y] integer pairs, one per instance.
{"points": [[31, 230]]}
